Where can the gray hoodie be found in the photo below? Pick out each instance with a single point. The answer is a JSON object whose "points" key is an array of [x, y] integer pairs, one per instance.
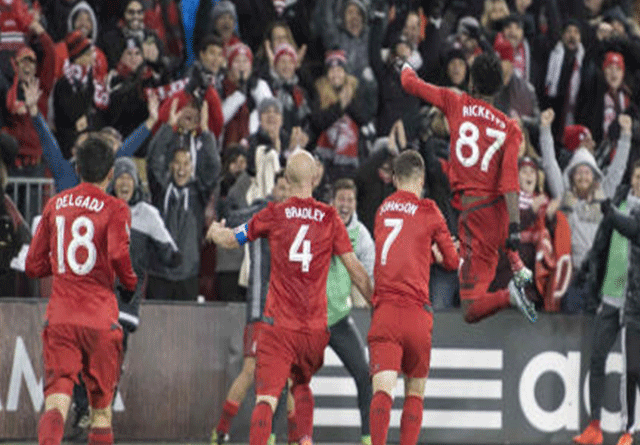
{"points": [[83, 6], [583, 216]]}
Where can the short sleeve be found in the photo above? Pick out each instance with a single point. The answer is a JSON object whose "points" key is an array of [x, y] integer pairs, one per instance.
{"points": [[341, 241], [261, 223]]}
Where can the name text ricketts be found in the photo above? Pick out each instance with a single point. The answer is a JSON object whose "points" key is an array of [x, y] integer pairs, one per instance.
{"points": [[304, 213], [483, 112]]}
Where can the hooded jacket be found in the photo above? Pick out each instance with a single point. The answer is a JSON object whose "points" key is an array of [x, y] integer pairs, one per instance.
{"points": [[583, 216], [149, 239], [182, 208]]}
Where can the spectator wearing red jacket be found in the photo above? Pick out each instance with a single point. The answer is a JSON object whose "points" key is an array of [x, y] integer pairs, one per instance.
{"points": [[18, 122]]}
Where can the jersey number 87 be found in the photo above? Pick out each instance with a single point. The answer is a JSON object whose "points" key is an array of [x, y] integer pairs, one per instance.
{"points": [[468, 136]]}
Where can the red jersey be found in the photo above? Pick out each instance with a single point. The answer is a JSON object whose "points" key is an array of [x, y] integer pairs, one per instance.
{"points": [[303, 235], [83, 241], [483, 155], [404, 230]]}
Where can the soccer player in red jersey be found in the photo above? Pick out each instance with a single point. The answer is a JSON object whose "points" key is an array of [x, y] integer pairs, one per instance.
{"points": [[400, 335], [483, 169], [83, 241], [303, 235]]}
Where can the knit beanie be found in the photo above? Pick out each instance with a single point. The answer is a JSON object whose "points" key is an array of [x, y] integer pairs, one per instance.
{"points": [[237, 49], [284, 49], [77, 44], [223, 7], [124, 165], [573, 135], [613, 58]]}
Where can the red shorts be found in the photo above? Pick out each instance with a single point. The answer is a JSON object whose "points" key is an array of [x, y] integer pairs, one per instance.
{"points": [[284, 353], [97, 353], [250, 338], [482, 229], [400, 340]]}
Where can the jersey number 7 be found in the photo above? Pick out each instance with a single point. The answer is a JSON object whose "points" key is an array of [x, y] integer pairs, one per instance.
{"points": [[468, 137]]}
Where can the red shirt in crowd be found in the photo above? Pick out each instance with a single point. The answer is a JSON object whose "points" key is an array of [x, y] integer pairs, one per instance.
{"points": [[83, 241], [483, 158], [303, 235], [404, 230]]}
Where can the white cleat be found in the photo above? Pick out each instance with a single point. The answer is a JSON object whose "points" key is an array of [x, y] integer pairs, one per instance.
{"points": [[520, 300]]}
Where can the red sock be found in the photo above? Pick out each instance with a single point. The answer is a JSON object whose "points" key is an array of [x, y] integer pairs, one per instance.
{"points": [[303, 399], [292, 427], [260, 424], [229, 411], [100, 436], [51, 428], [411, 421], [486, 305], [379, 416]]}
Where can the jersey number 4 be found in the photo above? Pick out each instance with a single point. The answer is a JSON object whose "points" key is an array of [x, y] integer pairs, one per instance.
{"points": [[300, 251], [468, 137], [77, 240]]}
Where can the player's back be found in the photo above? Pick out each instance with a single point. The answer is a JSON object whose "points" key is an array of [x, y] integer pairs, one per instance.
{"points": [[303, 234], [405, 227], [484, 147], [75, 224]]}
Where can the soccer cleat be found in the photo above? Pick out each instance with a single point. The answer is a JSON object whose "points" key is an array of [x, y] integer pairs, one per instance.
{"points": [[592, 434], [272, 440], [523, 276], [625, 439], [306, 440], [366, 440], [520, 300], [218, 438]]}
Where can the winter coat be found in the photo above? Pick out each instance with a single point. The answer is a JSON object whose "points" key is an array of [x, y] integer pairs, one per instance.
{"points": [[182, 209]]}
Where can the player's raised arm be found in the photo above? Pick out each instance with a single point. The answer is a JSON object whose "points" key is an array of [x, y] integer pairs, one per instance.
{"points": [[118, 240], [358, 274], [412, 84], [38, 263]]}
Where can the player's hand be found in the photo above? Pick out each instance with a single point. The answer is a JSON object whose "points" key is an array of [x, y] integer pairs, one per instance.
{"points": [[513, 240], [547, 117], [215, 230], [437, 255], [522, 275], [125, 294]]}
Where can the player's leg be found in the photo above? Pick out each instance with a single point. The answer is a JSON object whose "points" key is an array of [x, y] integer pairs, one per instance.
{"points": [[479, 252], [605, 330], [385, 356], [309, 358], [101, 373], [293, 436], [274, 357], [345, 340], [62, 362], [631, 341], [416, 358]]}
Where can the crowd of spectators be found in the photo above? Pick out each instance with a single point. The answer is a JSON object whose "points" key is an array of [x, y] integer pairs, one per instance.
{"points": [[210, 97]]}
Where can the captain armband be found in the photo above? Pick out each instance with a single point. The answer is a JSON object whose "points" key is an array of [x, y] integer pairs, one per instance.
{"points": [[241, 233]]}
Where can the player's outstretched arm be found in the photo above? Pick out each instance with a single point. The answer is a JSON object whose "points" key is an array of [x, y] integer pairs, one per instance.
{"points": [[442, 238], [415, 86], [38, 263], [223, 236], [358, 274]]}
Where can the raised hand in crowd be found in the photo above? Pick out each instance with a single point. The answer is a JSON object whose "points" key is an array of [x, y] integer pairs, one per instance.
{"points": [[35, 26], [204, 116], [547, 117], [32, 93], [173, 113], [625, 122], [153, 105], [299, 139]]}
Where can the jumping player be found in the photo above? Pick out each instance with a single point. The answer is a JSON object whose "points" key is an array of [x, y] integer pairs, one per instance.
{"points": [[303, 234], [83, 241], [483, 170], [402, 322]]}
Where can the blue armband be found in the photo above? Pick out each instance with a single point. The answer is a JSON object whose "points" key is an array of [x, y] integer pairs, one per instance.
{"points": [[241, 233]]}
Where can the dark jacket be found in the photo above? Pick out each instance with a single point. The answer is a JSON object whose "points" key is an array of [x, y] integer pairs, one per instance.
{"points": [[182, 209], [371, 189]]}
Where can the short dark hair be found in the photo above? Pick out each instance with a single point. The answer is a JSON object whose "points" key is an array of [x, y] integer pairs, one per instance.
{"points": [[94, 159], [210, 40], [486, 74], [344, 184], [408, 164]]}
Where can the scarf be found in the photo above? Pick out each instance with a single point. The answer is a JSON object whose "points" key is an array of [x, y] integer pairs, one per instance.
{"points": [[615, 102], [77, 75], [522, 60], [177, 193], [552, 79]]}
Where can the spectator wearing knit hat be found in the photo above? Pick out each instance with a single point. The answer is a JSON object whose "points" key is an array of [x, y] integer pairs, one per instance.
{"points": [[517, 97], [73, 95], [114, 42], [336, 118], [220, 20], [469, 38], [285, 85], [16, 118], [609, 97], [513, 32], [242, 91]]}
